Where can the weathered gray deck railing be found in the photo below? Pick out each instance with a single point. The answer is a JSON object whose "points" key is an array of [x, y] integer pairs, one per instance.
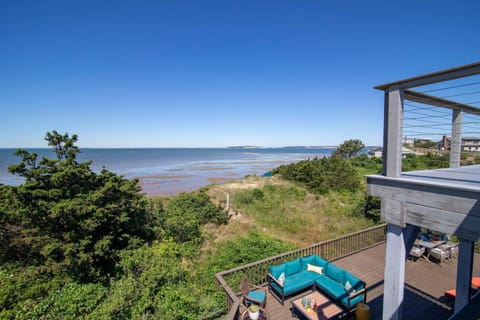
{"points": [[333, 249]]}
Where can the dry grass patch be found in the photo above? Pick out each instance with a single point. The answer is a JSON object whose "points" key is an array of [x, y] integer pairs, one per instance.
{"points": [[283, 210]]}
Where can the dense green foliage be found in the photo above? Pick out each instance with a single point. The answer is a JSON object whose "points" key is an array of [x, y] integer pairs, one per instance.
{"points": [[75, 244], [369, 207], [423, 162], [78, 244], [322, 175], [245, 249], [186, 213], [69, 219], [366, 164]]}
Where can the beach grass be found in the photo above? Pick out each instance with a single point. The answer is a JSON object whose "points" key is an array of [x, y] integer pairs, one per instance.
{"points": [[286, 211]]}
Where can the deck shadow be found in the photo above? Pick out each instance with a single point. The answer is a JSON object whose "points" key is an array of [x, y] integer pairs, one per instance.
{"points": [[416, 305]]}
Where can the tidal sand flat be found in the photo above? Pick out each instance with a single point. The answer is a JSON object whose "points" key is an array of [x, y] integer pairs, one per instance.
{"points": [[167, 171]]}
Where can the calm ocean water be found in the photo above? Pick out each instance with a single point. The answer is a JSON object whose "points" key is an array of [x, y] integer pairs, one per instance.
{"points": [[170, 171]]}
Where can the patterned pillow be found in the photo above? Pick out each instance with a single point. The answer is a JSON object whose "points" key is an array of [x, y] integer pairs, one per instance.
{"points": [[281, 278], [348, 287]]}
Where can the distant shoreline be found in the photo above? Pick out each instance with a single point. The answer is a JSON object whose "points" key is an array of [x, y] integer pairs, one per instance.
{"points": [[168, 171]]}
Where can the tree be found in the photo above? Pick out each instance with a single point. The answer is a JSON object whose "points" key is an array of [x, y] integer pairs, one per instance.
{"points": [[349, 148], [72, 219], [322, 175]]}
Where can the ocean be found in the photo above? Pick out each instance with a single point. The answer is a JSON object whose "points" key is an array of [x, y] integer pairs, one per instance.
{"points": [[166, 171]]}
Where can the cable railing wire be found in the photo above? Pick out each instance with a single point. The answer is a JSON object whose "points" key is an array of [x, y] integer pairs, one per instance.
{"points": [[428, 128], [425, 107], [460, 94], [452, 87]]}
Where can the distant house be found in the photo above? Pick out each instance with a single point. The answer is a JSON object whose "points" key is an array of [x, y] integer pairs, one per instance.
{"points": [[378, 153], [408, 141], [469, 144], [375, 153]]}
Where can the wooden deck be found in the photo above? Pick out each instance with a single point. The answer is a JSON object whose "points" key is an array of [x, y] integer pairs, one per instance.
{"points": [[424, 289]]}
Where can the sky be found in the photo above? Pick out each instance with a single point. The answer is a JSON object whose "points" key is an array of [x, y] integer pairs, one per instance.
{"points": [[200, 73]]}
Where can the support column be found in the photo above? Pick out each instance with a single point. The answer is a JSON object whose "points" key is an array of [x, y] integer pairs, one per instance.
{"points": [[392, 134], [456, 143], [394, 273], [392, 211], [464, 273]]}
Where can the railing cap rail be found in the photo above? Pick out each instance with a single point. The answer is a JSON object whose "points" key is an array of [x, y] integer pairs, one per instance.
{"points": [[281, 255]]}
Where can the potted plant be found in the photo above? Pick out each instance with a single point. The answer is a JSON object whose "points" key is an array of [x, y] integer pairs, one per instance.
{"points": [[253, 311]]}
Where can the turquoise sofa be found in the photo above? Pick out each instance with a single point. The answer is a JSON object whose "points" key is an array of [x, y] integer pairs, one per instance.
{"points": [[340, 285]]}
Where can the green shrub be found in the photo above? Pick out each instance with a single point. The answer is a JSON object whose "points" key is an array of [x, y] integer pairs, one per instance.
{"points": [[22, 288], [423, 162], [249, 248], [371, 165], [176, 302], [147, 270], [72, 301], [200, 205], [186, 213], [322, 175]]}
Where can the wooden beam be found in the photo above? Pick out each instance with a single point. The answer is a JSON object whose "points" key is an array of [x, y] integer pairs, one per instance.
{"points": [[439, 76], [393, 212], [454, 211], [460, 225], [461, 200]]}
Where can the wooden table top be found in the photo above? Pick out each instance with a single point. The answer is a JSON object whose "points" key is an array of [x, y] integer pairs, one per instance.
{"points": [[326, 309]]}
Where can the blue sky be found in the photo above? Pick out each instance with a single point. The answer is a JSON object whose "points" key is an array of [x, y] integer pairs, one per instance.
{"points": [[217, 73]]}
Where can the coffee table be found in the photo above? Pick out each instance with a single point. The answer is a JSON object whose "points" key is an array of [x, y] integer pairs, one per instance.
{"points": [[326, 309]]}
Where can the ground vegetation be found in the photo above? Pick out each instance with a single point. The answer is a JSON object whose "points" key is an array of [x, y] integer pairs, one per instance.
{"points": [[78, 244]]}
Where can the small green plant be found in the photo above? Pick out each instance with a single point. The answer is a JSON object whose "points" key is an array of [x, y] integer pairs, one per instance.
{"points": [[253, 308]]}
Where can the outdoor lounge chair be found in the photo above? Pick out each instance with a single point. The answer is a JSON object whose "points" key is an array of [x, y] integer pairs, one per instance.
{"points": [[417, 252], [257, 297], [441, 253], [453, 247]]}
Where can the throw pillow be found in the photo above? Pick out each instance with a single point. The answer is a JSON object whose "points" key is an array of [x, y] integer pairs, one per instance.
{"points": [[348, 287], [281, 278], [311, 267]]}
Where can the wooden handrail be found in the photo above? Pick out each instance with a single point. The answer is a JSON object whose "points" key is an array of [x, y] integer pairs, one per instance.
{"points": [[332, 249]]}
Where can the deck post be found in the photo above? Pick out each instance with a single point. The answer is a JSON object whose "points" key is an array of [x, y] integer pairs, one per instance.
{"points": [[393, 211], [392, 134], [464, 273], [394, 273], [456, 144]]}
